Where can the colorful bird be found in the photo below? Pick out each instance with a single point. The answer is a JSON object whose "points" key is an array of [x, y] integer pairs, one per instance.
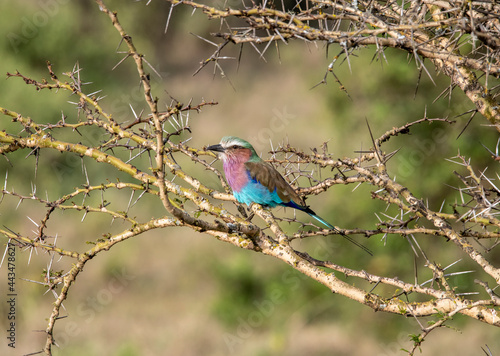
{"points": [[254, 180]]}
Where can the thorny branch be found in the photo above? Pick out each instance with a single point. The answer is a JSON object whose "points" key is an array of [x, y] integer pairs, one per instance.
{"points": [[147, 151], [460, 38]]}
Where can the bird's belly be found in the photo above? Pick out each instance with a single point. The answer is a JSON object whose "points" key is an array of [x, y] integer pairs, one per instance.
{"points": [[255, 192]]}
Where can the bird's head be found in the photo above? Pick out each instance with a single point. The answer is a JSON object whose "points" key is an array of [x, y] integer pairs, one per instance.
{"points": [[231, 147]]}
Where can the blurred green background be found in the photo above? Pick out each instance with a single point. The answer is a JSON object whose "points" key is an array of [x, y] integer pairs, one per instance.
{"points": [[177, 292]]}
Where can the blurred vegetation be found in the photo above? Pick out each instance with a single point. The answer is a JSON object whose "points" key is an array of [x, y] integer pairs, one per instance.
{"points": [[218, 287]]}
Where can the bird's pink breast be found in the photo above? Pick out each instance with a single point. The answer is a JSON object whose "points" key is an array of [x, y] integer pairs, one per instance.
{"points": [[235, 170]]}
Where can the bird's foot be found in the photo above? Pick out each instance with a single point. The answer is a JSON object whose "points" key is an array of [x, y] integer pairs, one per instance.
{"points": [[250, 217], [242, 211]]}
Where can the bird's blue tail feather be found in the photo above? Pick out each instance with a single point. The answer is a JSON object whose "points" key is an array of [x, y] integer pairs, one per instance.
{"points": [[308, 210], [328, 225]]}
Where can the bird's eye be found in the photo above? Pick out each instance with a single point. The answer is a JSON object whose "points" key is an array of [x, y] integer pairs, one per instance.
{"points": [[235, 147]]}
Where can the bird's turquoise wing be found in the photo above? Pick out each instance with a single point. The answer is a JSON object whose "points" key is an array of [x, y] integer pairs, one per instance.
{"points": [[266, 175]]}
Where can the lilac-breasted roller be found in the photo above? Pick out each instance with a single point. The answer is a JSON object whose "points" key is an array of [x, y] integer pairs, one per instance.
{"points": [[254, 180]]}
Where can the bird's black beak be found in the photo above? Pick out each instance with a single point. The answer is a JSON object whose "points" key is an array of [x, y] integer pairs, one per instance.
{"points": [[216, 148]]}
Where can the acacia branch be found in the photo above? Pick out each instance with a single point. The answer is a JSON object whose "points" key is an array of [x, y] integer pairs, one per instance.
{"points": [[372, 23]]}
